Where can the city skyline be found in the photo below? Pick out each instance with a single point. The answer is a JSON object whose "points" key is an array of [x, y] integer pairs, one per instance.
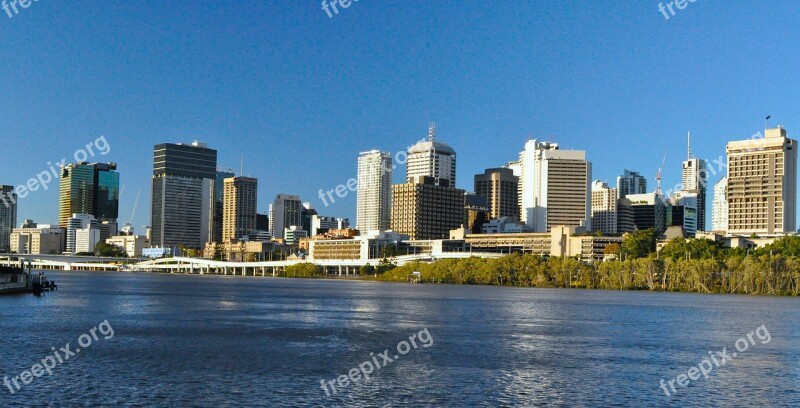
{"points": [[650, 114]]}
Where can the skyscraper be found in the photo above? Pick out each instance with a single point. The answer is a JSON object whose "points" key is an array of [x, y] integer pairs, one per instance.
{"points": [[555, 187], [432, 159], [695, 180], [239, 208], [183, 194], [422, 209], [286, 211], [374, 203], [762, 184], [630, 182], [89, 188], [8, 216], [719, 206], [500, 189], [219, 195], [604, 208]]}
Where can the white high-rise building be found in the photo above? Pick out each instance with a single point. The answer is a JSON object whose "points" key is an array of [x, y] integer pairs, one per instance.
{"points": [[719, 207], [74, 224], [555, 187], [374, 204], [695, 180], [762, 184], [432, 159], [604, 208]]}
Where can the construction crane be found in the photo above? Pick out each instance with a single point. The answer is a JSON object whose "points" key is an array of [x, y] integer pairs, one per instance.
{"points": [[658, 174], [135, 204]]}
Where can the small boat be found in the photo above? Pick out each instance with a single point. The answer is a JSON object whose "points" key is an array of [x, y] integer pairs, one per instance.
{"points": [[22, 280]]}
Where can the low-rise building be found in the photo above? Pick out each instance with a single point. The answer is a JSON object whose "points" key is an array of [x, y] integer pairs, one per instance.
{"points": [[131, 244], [39, 240]]}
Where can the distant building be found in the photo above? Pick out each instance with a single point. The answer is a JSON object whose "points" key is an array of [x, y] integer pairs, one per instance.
{"points": [[476, 212], [322, 224], [695, 180], [762, 184], [719, 207], [293, 234], [285, 212], [374, 202], [182, 211], [604, 208], [219, 203], [133, 245], [631, 182], [239, 208], [8, 216], [75, 223], [86, 239], [422, 209], [37, 240], [499, 187], [88, 188], [649, 211], [684, 211], [625, 216], [555, 187], [504, 225], [432, 159]]}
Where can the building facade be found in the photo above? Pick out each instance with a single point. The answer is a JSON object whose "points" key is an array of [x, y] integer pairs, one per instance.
{"points": [[695, 180], [630, 182], [286, 211], [719, 207], [649, 211], [239, 208], [604, 208], [422, 209], [219, 203], [38, 240], [432, 159], [8, 216], [499, 187], [762, 184], [75, 223], [555, 187], [88, 188], [182, 208], [374, 201]]}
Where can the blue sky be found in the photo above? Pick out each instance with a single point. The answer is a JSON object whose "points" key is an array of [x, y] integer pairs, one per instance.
{"points": [[299, 94]]}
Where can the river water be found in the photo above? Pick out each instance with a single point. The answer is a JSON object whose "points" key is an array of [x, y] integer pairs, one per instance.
{"points": [[210, 341]]}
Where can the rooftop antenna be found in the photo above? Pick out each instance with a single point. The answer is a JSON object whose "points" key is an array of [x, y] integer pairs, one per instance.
{"points": [[241, 168], [431, 131], [689, 146]]}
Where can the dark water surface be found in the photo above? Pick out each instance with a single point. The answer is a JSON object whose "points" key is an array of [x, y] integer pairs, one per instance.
{"points": [[207, 341]]}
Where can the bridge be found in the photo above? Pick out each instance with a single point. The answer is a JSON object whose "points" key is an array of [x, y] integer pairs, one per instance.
{"points": [[339, 267]]}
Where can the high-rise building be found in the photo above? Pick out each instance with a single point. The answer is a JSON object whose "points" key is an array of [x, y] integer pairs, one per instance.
{"points": [[219, 195], [239, 208], [182, 210], [649, 211], [476, 212], [8, 216], [500, 189], [719, 207], [422, 209], [75, 223], [374, 202], [684, 211], [630, 182], [286, 211], [555, 187], [695, 180], [762, 184], [89, 188], [604, 208], [432, 159]]}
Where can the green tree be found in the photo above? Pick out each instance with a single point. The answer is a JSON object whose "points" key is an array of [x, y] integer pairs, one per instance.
{"points": [[108, 250], [639, 244]]}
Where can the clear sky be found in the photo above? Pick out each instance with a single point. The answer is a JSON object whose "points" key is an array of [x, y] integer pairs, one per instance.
{"points": [[299, 94]]}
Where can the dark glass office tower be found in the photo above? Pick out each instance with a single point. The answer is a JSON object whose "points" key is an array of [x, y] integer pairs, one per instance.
{"points": [[182, 210], [89, 188]]}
